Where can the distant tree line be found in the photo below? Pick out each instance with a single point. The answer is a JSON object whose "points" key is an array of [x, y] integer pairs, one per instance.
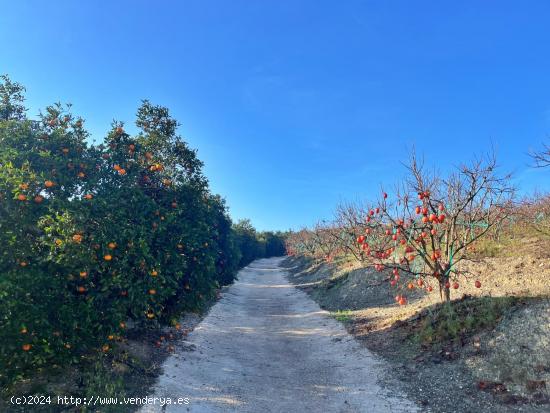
{"points": [[253, 244]]}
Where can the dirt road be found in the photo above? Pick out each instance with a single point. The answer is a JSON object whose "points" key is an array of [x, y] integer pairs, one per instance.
{"points": [[267, 347]]}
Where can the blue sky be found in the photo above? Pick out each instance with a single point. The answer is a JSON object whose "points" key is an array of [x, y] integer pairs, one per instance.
{"points": [[295, 105]]}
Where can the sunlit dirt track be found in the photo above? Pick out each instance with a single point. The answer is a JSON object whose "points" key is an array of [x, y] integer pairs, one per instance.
{"points": [[267, 347]]}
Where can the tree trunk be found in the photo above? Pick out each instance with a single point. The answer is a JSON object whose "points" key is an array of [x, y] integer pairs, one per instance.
{"points": [[444, 292]]}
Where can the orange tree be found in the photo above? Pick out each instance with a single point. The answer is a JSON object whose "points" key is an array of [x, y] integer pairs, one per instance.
{"points": [[95, 236], [40, 163], [248, 241]]}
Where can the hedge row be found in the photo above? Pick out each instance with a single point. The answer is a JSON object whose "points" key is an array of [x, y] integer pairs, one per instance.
{"points": [[95, 236]]}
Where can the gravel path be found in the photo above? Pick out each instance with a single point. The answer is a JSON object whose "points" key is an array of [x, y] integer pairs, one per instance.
{"points": [[267, 347]]}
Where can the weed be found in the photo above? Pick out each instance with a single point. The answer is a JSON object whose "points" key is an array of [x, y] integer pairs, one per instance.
{"points": [[342, 315], [463, 318]]}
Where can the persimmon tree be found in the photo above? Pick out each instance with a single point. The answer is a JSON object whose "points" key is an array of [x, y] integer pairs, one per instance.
{"points": [[535, 213], [433, 222], [541, 157], [424, 231], [349, 228], [324, 237], [302, 243]]}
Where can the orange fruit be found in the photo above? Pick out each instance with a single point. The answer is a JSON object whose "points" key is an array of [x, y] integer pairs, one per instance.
{"points": [[112, 245], [26, 347], [38, 199], [48, 184], [22, 197], [107, 257], [77, 238]]}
